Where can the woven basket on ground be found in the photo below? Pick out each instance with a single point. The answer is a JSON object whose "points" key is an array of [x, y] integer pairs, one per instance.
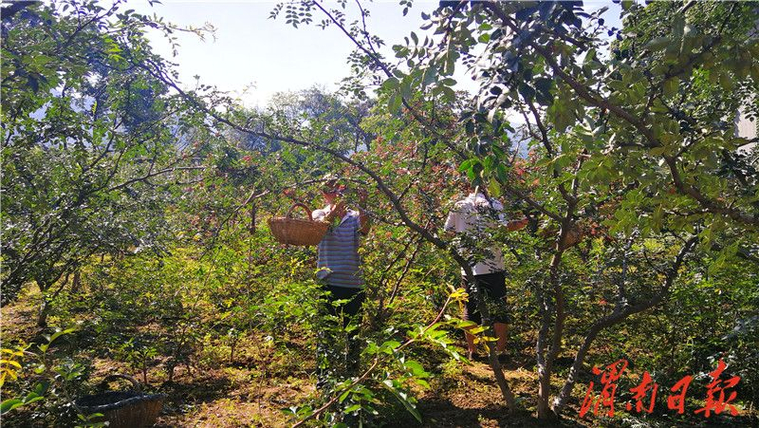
{"points": [[294, 231], [122, 409]]}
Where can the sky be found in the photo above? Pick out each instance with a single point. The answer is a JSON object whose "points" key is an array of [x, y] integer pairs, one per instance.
{"points": [[254, 56]]}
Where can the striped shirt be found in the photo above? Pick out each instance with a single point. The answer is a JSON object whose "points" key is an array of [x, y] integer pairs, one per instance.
{"points": [[339, 263]]}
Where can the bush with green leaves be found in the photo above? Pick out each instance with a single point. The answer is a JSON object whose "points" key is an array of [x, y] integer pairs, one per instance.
{"points": [[42, 381]]}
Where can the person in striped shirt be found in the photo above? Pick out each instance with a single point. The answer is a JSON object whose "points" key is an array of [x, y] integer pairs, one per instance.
{"points": [[339, 272]]}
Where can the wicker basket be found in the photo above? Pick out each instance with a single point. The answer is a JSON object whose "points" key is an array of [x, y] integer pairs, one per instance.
{"points": [[122, 409], [293, 231]]}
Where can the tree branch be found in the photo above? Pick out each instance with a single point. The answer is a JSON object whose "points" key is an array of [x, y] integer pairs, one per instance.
{"points": [[620, 314]]}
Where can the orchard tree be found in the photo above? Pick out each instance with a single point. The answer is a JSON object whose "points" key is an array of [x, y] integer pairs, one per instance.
{"points": [[91, 143]]}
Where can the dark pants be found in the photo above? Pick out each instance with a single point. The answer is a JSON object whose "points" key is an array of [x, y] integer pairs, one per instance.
{"points": [[492, 287], [338, 351]]}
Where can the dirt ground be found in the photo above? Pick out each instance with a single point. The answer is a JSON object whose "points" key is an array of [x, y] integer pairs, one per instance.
{"points": [[254, 390]]}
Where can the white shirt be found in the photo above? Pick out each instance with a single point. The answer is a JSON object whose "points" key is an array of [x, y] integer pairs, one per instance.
{"points": [[318, 215], [473, 218]]}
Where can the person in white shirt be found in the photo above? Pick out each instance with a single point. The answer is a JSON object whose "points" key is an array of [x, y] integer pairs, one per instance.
{"points": [[473, 220]]}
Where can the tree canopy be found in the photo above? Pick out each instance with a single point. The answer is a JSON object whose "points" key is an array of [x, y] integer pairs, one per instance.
{"points": [[643, 200]]}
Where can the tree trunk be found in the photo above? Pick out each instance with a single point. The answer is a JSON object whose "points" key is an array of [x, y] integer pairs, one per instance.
{"points": [[77, 281], [252, 230], [544, 367], [544, 392], [44, 311], [253, 217], [48, 297], [574, 371], [544, 395]]}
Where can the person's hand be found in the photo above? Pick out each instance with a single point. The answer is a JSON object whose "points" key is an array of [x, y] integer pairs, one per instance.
{"points": [[339, 210], [523, 223], [517, 224]]}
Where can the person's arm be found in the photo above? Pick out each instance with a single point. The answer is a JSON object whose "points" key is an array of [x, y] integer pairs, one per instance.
{"points": [[365, 224], [510, 226], [517, 224], [449, 229], [338, 211]]}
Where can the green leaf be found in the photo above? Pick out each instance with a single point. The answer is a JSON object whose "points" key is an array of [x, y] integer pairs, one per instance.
{"points": [[469, 127], [406, 87], [448, 94], [657, 44], [466, 324], [59, 334], [526, 91], [725, 81], [430, 74], [494, 189], [472, 175], [415, 368], [352, 408], [391, 83], [394, 104], [543, 90], [502, 173], [410, 407], [32, 399], [671, 86], [489, 163], [467, 164], [41, 387], [10, 404], [389, 346]]}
